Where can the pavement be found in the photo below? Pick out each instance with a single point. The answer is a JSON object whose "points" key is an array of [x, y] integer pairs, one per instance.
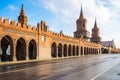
{"points": [[91, 67]]}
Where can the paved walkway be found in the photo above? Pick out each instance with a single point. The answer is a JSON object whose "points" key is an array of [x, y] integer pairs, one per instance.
{"points": [[91, 67]]}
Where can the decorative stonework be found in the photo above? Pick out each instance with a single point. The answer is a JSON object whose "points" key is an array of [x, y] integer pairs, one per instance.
{"points": [[17, 32]]}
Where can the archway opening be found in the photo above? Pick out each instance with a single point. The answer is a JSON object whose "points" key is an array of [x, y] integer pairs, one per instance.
{"points": [[65, 50], [32, 50], [81, 50], [60, 50], [6, 49], [85, 50], [69, 50], [77, 51], [54, 50], [21, 49], [73, 50]]}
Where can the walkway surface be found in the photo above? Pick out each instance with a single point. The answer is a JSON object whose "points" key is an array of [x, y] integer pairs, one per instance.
{"points": [[91, 67]]}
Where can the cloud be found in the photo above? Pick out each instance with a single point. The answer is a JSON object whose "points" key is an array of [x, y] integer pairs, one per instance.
{"points": [[66, 13], [12, 7]]}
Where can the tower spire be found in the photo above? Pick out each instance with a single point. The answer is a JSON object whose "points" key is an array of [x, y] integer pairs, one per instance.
{"points": [[95, 25], [22, 17], [81, 13], [95, 33], [22, 11]]}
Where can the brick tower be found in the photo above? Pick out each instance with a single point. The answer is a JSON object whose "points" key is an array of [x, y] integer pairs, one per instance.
{"points": [[22, 17], [81, 30], [95, 34]]}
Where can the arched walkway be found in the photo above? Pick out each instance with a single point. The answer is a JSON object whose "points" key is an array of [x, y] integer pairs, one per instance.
{"points": [[6, 48], [65, 50], [21, 49], [32, 50], [54, 50], [60, 50]]}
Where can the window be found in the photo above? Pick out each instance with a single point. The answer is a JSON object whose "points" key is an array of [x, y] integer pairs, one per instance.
{"points": [[43, 38], [43, 27]]}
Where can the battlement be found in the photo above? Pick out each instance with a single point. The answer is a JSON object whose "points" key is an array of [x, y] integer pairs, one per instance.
{"points": [[63, 35], [11, 23]]}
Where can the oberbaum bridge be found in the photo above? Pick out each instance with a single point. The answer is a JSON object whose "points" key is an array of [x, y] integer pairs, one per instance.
{"points": [[22, 42]]}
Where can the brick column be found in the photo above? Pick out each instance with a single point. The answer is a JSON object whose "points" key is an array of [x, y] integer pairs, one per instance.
{"points": [[14, 52], [27, 56], [37, 47], [62, 51], [56, 51], [67, 51], [83, 52]]}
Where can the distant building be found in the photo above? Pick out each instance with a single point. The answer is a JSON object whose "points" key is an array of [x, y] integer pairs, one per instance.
{"points": [[109, 47], [108, 44]]}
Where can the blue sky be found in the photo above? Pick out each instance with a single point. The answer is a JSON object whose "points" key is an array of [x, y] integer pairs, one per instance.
{"points": [[62, 14]]}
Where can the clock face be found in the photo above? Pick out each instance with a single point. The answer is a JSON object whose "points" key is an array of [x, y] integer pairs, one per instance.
{"points": [[43, 38]]}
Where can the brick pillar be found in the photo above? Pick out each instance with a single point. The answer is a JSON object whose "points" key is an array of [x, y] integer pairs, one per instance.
{"points": [[79, 50], [67, 51], [27, 56], [37, 46], [62, 51], [56, 51], [83, 52], [71, 51], [14, 52]]}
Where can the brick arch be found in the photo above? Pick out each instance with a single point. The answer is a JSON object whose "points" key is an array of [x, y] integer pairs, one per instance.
{"points": [[60, 48], [81, 50], [21, 49], [6, 48], [73, 51], [7, 35], [77, 50], [54, 50], [22, 38], [65, 50], [69, 50], [32, 49]]}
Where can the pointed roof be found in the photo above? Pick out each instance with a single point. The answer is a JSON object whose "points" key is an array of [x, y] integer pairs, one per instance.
{"points": [[81, 13], [22, 11], [95, 25]]}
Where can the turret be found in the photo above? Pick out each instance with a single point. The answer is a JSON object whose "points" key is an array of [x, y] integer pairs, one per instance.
{"points": [[95, 34], [22, 17], [81, 30]]}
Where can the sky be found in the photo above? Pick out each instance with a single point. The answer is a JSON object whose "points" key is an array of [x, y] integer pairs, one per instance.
{"points": [[62, 15]]}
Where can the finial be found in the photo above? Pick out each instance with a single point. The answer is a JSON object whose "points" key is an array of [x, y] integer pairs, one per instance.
{"points": [[22, 6], [81, 13], [22, 10], [95, 25]]}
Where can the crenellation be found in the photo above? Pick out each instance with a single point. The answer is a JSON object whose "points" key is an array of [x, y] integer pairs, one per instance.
{"points": [[13, 23], [18, 24], [24, 26], [29, 27], [6, 21]]}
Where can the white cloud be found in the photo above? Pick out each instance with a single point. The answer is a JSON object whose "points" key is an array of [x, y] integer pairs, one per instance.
{"points": [[67, 11], [12, 7]]}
